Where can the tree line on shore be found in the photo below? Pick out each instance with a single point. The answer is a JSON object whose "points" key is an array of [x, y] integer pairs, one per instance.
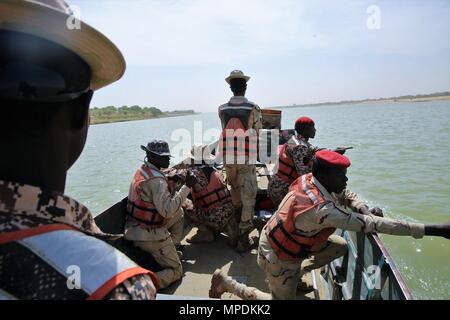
{"points": [[126, 113]]}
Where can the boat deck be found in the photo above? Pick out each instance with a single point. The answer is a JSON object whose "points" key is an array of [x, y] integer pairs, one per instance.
{"points": [[201, 260]]}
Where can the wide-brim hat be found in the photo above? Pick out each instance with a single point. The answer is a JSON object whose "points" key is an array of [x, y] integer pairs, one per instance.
{"points": [[49, 19], [236, 74], [201, 153], [158, 147]]}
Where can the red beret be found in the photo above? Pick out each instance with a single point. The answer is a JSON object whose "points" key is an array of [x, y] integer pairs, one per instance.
{"points": [[332, 159], [304, 120]]}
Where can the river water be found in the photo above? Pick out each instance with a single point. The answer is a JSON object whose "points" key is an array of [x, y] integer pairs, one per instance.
{"points": [[400, 162]]}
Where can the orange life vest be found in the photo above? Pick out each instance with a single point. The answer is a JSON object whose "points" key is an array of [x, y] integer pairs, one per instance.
{"points": [[61, 246], [286, 167], [214, 195], [142, 211], [281, 232], [235, 140]]}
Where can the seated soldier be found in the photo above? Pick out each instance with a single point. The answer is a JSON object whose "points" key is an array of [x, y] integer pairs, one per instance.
{"points": [[213, 209], [299, 237], [155, 216]]}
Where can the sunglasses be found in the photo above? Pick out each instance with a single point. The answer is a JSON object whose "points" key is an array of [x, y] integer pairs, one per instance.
{"points": [[35, 69]]}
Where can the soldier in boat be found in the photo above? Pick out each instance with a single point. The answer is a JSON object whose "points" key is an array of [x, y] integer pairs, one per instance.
{"points": [[50, 246], [295, 160], [154, 215], [299, 237], [213, 209], [240, 119]]}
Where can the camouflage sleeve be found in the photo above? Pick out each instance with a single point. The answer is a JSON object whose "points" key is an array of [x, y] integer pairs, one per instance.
{"points": [[314, 149], [329, 215], [166, 204], [257, 118], [138, 287], [349, 199], [300, 155]]}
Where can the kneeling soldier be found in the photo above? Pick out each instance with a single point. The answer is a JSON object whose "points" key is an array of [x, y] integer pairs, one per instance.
{"points": [[155, 217], [299, 236], [213, 208]]}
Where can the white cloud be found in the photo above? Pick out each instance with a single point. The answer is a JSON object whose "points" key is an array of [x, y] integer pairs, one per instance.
{"points": [[201, 31], [190, 32], [297, 51]]}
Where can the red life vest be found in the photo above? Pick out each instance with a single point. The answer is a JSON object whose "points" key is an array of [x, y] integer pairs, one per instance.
{"points": [[142, 211], [235, 140], [213, 196], [281, 232], [286, 167], [61, 246]]}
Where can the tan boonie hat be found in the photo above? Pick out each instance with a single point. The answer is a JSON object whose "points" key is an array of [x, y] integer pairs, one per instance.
{"points": [[51, 20], [237, 74]]}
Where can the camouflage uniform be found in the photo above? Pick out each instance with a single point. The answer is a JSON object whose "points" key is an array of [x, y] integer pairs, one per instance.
{"points": [[160, 242], [216, 218], [339, 211], [25, 275], [242, 177], [278, 188], [283, 277]]}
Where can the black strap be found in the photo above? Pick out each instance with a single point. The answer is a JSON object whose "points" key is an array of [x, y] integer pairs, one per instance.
{"points": [[300, 254], [153, 211], [303, 248], [244, 104], [292, 168], [217, 190], [215, 201], [219, 198], [247, 148]]}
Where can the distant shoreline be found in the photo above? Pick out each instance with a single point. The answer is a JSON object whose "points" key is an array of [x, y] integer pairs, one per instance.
{"points": [[96, 120], [372, 101]]}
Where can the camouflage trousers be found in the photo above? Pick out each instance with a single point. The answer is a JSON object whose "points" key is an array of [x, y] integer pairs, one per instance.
{"points": [[242, 179], [216, 218], [277, 189], [165, 254], [283, 281]]}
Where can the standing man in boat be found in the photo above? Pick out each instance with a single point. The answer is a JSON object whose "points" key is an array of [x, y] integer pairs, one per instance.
{"points": [[213, 209], [299, 236], [241, 121], [294, 160], [155, 217], [50, 246]]}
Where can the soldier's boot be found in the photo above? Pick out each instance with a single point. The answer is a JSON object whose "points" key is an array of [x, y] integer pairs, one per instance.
{"points": [[245, 241], [217, 284], [244, 244], [305, 283], [180, 248], [237, 214], [203, 235], [232, 231], [221, 283]]}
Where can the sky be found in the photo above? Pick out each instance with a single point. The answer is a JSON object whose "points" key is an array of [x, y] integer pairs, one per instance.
{"points": [[179, 52]]}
